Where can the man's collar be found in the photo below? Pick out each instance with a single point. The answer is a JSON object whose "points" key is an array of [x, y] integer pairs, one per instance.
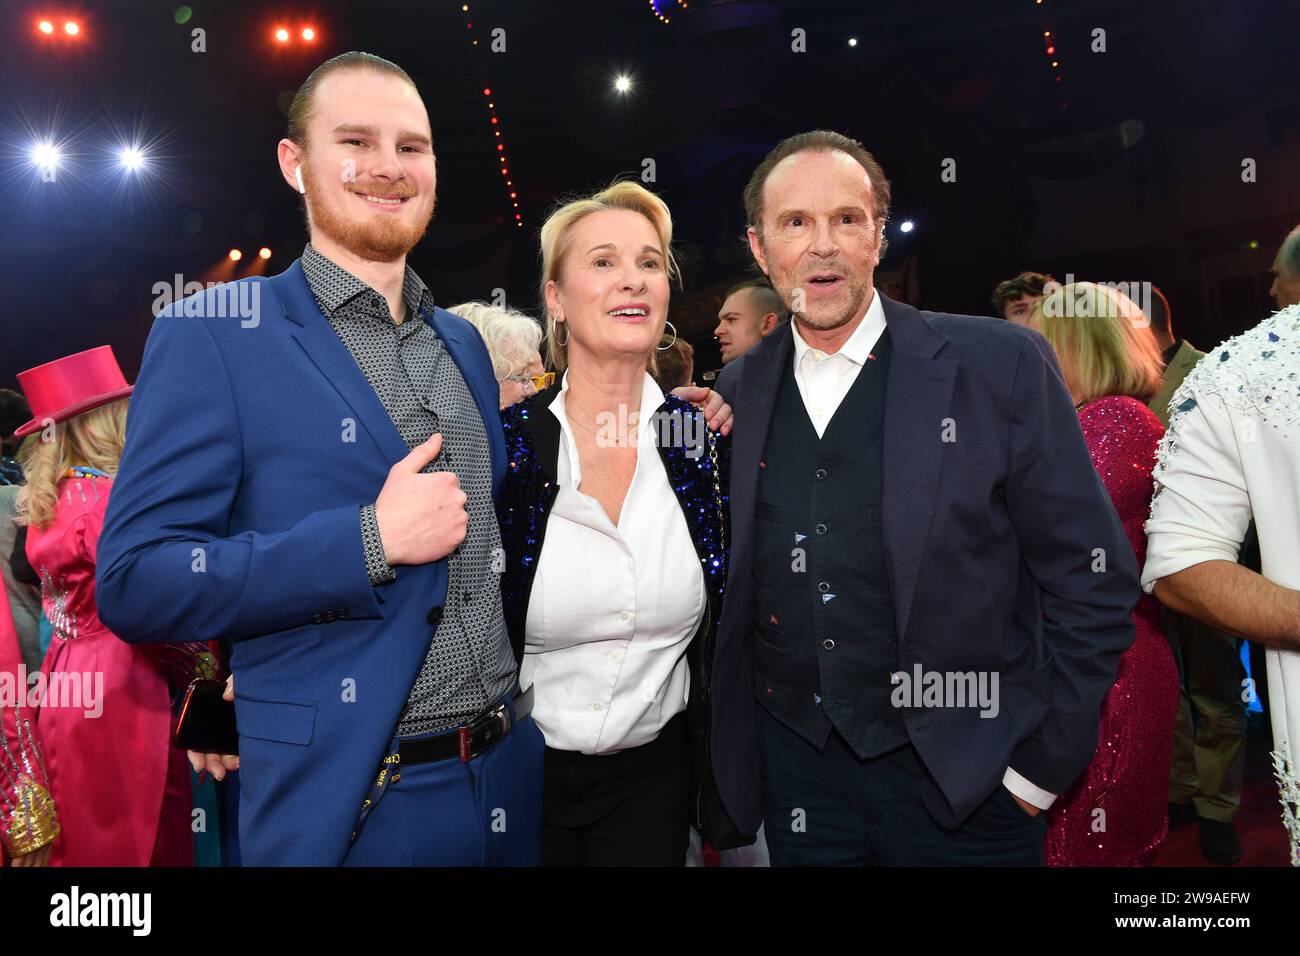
{"points": [[345, 286], [1170, 352], [858, 346]]}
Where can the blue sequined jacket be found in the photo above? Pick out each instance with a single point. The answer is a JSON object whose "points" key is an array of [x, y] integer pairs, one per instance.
{"points": [[527, 494]]}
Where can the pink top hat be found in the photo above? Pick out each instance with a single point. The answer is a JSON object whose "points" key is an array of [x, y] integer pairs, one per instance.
{"points": [[68, 386]]}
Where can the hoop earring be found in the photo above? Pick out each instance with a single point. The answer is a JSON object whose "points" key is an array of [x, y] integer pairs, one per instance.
{"points": [[664, 348], [558, 326]]}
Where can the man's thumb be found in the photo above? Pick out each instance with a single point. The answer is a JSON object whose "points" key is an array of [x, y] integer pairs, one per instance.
{"points": [[423, 453]]}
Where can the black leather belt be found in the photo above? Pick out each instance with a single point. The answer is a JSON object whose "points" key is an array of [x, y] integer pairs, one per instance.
{"points": [[478, 734]]}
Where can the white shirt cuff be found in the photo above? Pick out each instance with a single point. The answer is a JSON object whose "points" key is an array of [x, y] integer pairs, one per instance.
{"points": [[1026, 791]]}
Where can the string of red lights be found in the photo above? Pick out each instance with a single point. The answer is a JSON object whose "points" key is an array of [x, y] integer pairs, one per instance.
{"points": [[1050, 48], [503, 161]]}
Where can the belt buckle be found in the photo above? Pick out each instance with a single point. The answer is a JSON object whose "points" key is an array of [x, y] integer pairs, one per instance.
{"points": [[500, 713]]}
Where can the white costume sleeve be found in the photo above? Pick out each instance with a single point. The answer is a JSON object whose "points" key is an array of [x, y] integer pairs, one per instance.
{"points": [[1201, 508]]}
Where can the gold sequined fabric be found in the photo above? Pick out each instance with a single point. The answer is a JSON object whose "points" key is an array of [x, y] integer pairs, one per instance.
{"points": [[35, 822]]}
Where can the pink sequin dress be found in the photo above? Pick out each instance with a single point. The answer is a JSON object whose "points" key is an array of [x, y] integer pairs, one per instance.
{"points": [[1128, 778]]}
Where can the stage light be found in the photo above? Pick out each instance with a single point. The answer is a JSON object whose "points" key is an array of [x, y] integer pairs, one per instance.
{"points": [[235, 255], [853, 41], [1055, 64], [1051, 50], [622, 84], [308, 34], [1253, 244], [46, 27], [487, 92], [71, 28], [45, 155], [906, 225], [264, 252], [131, 158], [282, 35]]}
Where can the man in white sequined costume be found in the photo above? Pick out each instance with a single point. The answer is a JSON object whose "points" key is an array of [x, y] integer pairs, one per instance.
{"points": [[1232, 453]]}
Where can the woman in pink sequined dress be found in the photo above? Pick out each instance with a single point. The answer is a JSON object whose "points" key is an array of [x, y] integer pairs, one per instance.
{"points": [[1115, 814]]}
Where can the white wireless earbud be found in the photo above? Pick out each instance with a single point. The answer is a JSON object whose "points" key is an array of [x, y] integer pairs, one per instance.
{"points": [[298, 175]]}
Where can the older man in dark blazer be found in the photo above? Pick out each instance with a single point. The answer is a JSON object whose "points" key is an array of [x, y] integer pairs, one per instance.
{"points": [[929, 589]]}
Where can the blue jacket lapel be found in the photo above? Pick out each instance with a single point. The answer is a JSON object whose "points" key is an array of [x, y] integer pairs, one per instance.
{"points": [[917, 401], [322, 344], [470, 355]]}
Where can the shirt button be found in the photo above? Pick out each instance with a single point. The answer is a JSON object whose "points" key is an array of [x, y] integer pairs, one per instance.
{"points": [[374, 303], [820, 474], [623, 615], [823, 586], [821, 529], [596, 706], [828, 644], [434, 615], [469, 596]]}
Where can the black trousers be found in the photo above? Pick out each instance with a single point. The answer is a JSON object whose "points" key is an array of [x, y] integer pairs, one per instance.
{"points": [[828, 808], [625, 809]]}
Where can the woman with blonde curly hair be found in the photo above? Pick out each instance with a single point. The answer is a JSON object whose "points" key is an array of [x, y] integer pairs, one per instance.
{"points": [[122, 792], [1112, 365]]}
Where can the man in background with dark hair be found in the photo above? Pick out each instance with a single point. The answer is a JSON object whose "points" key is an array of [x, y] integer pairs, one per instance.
{"points": [[751, 310], [1209, 756], [1014, 299]]}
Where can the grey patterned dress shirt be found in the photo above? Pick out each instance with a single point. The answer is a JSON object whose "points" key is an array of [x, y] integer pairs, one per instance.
{"points": [[469, 664]]}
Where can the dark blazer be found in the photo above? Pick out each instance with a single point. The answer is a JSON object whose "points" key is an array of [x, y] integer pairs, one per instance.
{"points": [[532, 436], [250, 447], [990, 541]]}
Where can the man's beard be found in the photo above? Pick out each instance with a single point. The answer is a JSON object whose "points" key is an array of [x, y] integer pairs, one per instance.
{"points": [[371, 239], [857, 291]]}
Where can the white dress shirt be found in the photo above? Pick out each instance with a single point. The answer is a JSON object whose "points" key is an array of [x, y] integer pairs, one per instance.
{"points": [[823, 382], [823, 379], [612, 608]]}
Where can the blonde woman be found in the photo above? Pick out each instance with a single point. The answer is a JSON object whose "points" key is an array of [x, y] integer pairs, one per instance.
{"points": [[612, 518], [121, 790], [1111, 363], [513, 340]]}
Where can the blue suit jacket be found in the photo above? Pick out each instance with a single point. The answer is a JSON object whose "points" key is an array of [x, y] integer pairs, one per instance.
{"points": [[990, 543], [251, 445]]}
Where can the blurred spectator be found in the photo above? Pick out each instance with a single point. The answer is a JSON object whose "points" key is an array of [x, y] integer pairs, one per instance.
{"points": [[751, 310], [513, 341], [674, 365], [1014, 299], [1286, 271]]}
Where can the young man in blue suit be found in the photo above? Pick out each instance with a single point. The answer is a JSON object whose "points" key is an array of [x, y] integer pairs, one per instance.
{"points": [[309, 473], [929, 588]]}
